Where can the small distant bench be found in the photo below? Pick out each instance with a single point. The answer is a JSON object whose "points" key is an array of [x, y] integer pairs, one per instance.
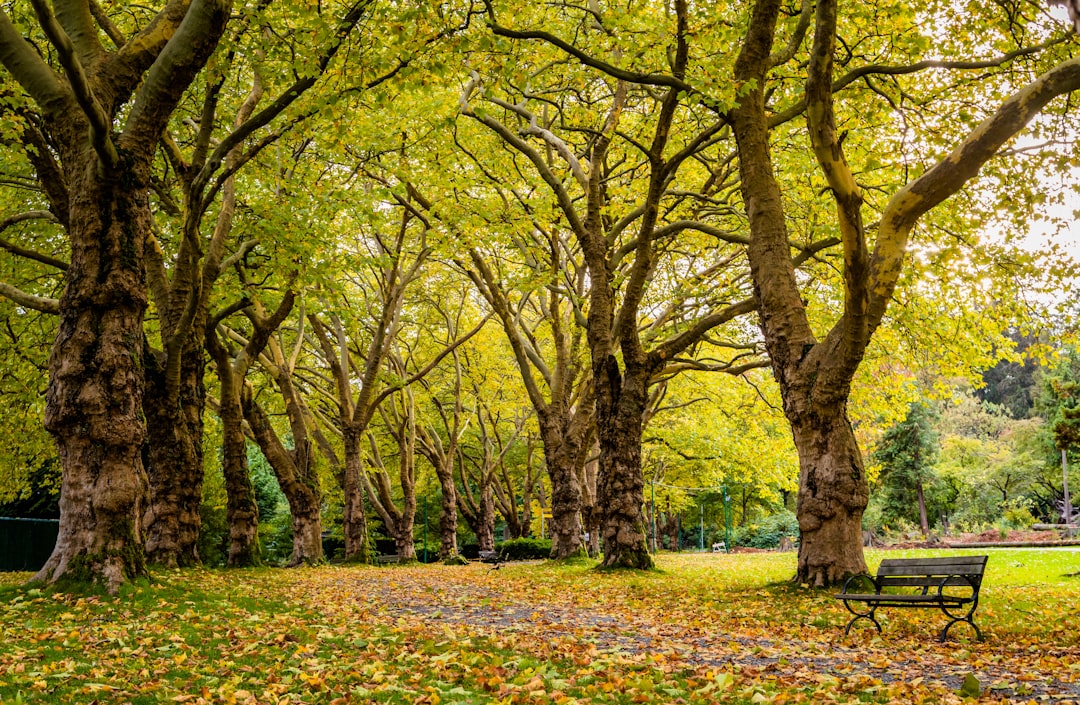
{"points": [[392, 558], [491, 557], [951, 584]]}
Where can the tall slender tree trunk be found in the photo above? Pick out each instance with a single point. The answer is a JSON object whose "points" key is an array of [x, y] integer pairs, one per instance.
{"points": [[485, 518], [175, 462], [241, 510], [924, 521], [94, 403], [449, 519], [590, 511], [354, 517], [296, 478]]}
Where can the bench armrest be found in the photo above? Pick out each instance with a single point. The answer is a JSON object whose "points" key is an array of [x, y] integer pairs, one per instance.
{"points": [[861, 577]]}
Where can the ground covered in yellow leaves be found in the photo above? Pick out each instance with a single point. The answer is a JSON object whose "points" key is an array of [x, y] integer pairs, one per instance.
{"points": [[702, 629]]}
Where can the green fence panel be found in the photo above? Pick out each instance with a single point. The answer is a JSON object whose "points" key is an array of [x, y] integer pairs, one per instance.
{"points": [[25, 544]]}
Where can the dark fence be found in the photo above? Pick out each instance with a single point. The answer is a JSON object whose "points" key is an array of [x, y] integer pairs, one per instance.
{"points": [[25, 544]]}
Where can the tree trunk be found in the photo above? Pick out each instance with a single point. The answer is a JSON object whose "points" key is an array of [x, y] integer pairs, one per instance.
{"points": [[174, 463], [449, 520], [354, 517], [297, 480], [241, 510], [485, 518], [924, 522], [94, 403], [404, 543], [564, 443], [832, 496], [620, 409]]}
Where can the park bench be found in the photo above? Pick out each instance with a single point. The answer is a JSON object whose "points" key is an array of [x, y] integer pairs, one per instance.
{"points": [[950, 584], [391, 558], [493, 557]]}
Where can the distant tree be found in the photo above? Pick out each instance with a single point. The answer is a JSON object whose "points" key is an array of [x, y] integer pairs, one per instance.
{"points": [[906, 454], [1011, 383]]}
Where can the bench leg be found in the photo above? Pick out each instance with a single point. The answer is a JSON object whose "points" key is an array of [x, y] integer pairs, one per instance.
{"points": [[954, 620], [868, 616]]}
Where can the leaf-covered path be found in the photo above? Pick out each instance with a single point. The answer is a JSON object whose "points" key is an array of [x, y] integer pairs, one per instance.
{"points": [[704, 629], [544, 617]]}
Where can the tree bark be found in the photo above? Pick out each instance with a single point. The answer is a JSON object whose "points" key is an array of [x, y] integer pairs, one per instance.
{"points": [[448, 520], [563, 456], [924, 522], [241, 510], [95, 399], [297, 480], [354, 516], [832, 497], [174, 462], [94, 402]]}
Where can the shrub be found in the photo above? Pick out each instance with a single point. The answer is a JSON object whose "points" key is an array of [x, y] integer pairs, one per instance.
{"points": [[524, 549], [1018, 514], [768, 533]]}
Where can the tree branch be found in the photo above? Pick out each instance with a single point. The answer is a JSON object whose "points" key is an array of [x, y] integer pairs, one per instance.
{"points": [[37, 303], [99, 119]]}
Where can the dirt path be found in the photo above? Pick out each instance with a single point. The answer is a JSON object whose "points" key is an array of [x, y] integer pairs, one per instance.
{"points": [[473, 599]]}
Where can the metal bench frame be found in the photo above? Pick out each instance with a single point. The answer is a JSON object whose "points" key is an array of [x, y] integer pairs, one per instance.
{"points": [[965, 573]]}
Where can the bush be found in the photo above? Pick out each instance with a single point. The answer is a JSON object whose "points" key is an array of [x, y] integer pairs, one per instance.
{"points": [[768, 533], [1018, 514], [524, 549]]}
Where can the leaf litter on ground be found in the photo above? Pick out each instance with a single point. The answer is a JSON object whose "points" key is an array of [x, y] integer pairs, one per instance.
{"points": [[702, 629]]}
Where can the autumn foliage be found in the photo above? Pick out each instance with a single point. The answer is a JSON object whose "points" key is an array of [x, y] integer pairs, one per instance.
{"points": [[704, 629]]}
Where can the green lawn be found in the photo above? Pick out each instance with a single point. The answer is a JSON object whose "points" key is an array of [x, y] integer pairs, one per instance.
{"points": [[703, 628]]}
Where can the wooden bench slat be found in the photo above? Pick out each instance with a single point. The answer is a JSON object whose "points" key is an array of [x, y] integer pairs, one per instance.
{"points": [[916, 581], [975, 560], [905, 597]]}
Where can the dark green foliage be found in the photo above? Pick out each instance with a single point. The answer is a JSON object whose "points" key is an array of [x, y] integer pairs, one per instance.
{"points": [[906, 454], [524, 549], [40, 498], [768, 533], [1012, 385]]}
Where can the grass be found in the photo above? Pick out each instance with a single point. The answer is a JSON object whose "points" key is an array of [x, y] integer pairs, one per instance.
{"points": [[702, 628]]}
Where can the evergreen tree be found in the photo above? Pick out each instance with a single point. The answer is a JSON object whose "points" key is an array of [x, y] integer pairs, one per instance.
{"points": [[906, 454]]}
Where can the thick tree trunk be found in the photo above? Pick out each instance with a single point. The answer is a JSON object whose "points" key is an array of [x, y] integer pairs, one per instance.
{"points": [[833, 492], [354, 517], [307, 531], [449, 519], [620, 487], [94, 403], [563, 457], [565, 505], [174, 463], [404, 543]]}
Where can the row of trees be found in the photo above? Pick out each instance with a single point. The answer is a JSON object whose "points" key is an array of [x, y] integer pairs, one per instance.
{"points": [[326, 206]]}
